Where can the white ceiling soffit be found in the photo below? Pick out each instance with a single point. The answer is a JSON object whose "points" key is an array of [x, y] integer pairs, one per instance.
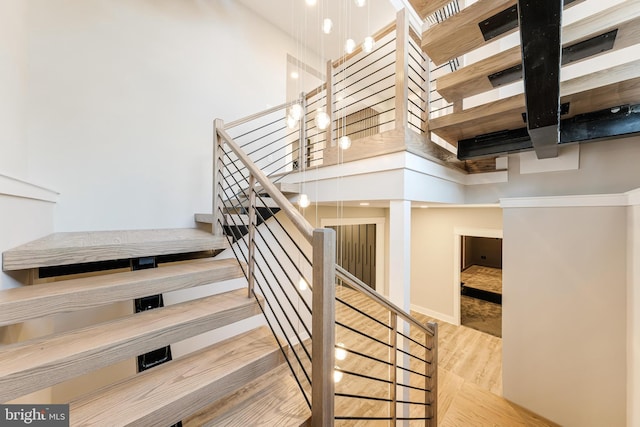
{"points": [[304, 22]]}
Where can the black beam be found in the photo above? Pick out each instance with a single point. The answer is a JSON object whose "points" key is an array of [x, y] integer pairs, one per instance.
{"points": [[616, 122], [540, 26]]}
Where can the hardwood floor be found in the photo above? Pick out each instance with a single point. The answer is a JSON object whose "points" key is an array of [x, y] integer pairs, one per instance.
{"points": [[470, 381]]}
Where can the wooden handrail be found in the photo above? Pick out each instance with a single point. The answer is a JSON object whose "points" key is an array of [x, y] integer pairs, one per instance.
{"points": [[359, 285], [260, 114], [296, 217]]}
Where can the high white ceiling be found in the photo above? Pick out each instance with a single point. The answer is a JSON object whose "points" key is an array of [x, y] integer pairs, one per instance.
{"points": [[304, 22]]}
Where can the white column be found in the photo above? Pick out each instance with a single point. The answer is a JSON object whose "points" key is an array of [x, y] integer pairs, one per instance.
{"points": [[400, 286], [400, 253]]}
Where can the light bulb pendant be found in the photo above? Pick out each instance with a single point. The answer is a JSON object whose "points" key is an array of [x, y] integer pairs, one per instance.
{"points": [[327, 25], [337, 375], [341, 352], [304, 201], [291, 122], [368, 44], [296, 111], [322, 120], [349, 46], [302, 284], [344, 142]]}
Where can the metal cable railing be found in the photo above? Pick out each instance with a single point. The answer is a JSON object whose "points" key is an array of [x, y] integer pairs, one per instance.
{"points": [[388, 372], [364, 92], [354, 355], [389, 363], [418, 92]]}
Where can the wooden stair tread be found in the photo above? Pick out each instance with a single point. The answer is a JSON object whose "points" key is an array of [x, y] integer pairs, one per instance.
{"points": [[28, 302], [174, 390], [425, 8], [615, 86], [38, 363], [274, 399], [460, 33], [474, 79], [81, 247]]}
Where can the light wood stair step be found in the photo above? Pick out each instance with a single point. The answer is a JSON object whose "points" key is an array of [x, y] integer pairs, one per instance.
{"points": [[460, 33], [38, 363], [274, 399], [82, 247], [173, 391], [425, 8], [28, 302], [611, 87], [474, 79]]}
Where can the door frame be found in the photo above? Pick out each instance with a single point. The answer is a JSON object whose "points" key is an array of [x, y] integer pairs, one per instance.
{"points": [[458, 232], [379, 222]]}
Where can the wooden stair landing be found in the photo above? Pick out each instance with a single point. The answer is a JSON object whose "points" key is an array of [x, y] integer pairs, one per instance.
{"points": [[82, 247], [28, 302], [177, 389], [274, 399]]}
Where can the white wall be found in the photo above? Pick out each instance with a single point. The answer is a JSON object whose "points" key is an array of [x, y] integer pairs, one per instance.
{"points": [[26, 213], [13, 80], [606, 167], [122, 95], [564, 312], [432, 255], [633, 311]]}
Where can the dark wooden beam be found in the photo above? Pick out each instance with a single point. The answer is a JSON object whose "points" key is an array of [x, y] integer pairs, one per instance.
{"points": [[540, 28], [612, 123]]}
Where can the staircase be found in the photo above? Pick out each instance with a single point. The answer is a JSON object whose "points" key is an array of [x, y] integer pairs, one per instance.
{"points": [[228, 372]]}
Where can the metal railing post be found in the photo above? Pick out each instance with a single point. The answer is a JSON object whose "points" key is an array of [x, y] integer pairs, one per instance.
{"points": [[402, 70], [433, 387], [217, 204], [426, 93], [302, 155], [330, 112], [323, 328], [252, 235], [394, 368]]}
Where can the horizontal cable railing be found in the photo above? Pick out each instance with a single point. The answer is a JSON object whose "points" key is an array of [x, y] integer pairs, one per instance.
{"points": [[355, 356], [418, 86], [388, 359], [273, 247], [364, 92]]}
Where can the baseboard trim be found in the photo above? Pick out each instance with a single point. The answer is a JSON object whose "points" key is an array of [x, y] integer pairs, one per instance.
{"points": [[435, 314], [14, 187]]}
